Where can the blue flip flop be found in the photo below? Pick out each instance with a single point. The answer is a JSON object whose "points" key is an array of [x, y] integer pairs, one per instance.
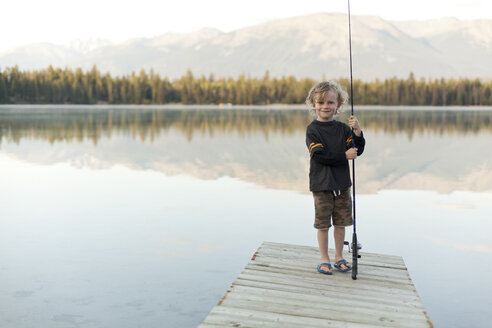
{"points": [[337, 265], [323, 271]]}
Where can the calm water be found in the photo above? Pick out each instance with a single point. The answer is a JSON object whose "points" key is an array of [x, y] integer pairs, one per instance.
{"points": [[142, 217]]}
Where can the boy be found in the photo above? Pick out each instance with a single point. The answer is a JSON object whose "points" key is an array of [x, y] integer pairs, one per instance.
{"points": [[331, 145]]}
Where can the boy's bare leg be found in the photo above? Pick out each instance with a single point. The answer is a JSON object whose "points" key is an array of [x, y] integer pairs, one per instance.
{"points": [[339, 234], [323, 249]]}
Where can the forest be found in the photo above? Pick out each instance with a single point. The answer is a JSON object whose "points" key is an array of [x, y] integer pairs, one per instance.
{"points": [[68, 86]]}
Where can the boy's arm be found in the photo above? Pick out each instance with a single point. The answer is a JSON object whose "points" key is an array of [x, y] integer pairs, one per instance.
{"points": [[356, 135], [359, 142], [321, 155], [328, 158]]}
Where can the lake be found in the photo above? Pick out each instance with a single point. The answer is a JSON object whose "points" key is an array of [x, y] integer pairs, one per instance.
{"points": [[142, 216]]}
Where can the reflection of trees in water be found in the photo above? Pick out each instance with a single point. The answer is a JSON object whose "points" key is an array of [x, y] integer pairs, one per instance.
{"points": [[147, 124], [427, 121]]}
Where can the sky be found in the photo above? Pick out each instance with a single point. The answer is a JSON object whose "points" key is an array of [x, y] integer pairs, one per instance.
{"points": [[60, 21]]}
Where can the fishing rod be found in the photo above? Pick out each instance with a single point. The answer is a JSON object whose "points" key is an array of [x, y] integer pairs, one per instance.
{"points": [[355, 244]]}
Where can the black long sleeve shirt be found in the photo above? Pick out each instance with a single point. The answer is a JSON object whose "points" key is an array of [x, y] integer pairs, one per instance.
{"points": [[327, 143]]}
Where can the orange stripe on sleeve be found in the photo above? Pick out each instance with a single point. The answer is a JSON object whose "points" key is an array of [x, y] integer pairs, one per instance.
{"points": [[313, 145], [348, 141]]}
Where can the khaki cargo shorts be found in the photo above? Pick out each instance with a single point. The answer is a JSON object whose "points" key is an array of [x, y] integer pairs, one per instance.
{"points": [[328, 208]]}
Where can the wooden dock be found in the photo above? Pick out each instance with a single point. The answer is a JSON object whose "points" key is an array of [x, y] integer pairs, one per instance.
{"points": [[281, 288]]}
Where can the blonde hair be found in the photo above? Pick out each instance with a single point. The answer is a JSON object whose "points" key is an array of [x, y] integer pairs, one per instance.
{"points": [[319, 90]]}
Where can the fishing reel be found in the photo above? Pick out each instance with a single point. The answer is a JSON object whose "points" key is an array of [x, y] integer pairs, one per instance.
{"points": [[351, 247]]}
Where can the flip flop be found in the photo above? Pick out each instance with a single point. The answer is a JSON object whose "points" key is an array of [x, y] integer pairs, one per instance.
{"points": [[323, 271], [339, 263]]}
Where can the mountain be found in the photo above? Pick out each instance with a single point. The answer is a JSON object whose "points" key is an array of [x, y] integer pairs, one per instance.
{"points": [[86, 46], [305, 46], [37, 56], [41, 55]]}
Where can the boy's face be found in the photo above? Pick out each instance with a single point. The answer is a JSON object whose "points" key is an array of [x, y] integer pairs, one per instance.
{"points": [[326, 107]]}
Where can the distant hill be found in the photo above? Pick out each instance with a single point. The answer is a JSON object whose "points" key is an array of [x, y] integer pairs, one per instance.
{"points": [[306, 46]]}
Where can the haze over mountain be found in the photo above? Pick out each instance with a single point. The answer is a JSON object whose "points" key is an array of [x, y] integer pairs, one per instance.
{"points": [[306, 46]]}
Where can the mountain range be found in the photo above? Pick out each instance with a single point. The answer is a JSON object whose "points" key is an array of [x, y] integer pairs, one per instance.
{"points": [[312, 46]]}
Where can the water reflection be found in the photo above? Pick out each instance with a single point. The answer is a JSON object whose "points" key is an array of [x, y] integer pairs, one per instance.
{"points": [[79, 123], [439, 150], [149, 214]]}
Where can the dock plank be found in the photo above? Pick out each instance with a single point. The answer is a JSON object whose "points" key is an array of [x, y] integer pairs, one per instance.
{"points": [[280, 287]]}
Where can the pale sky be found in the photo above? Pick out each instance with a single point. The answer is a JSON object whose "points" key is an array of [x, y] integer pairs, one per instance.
{"points": [[60, 21]]}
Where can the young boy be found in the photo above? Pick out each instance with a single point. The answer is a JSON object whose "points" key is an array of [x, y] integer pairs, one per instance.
{"points": [[331, 145]]}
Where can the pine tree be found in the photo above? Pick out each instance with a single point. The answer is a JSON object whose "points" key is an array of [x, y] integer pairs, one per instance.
{"points": [[4, 96]]}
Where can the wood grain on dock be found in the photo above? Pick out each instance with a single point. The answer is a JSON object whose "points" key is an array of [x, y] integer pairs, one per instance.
{"points": [[280, 287]]}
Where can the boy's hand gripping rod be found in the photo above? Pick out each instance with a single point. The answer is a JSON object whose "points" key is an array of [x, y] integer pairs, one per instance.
{"points": [[355, 245]]}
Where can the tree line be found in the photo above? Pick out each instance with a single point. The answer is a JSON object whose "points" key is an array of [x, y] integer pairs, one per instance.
{"points": [[67, 86]]}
